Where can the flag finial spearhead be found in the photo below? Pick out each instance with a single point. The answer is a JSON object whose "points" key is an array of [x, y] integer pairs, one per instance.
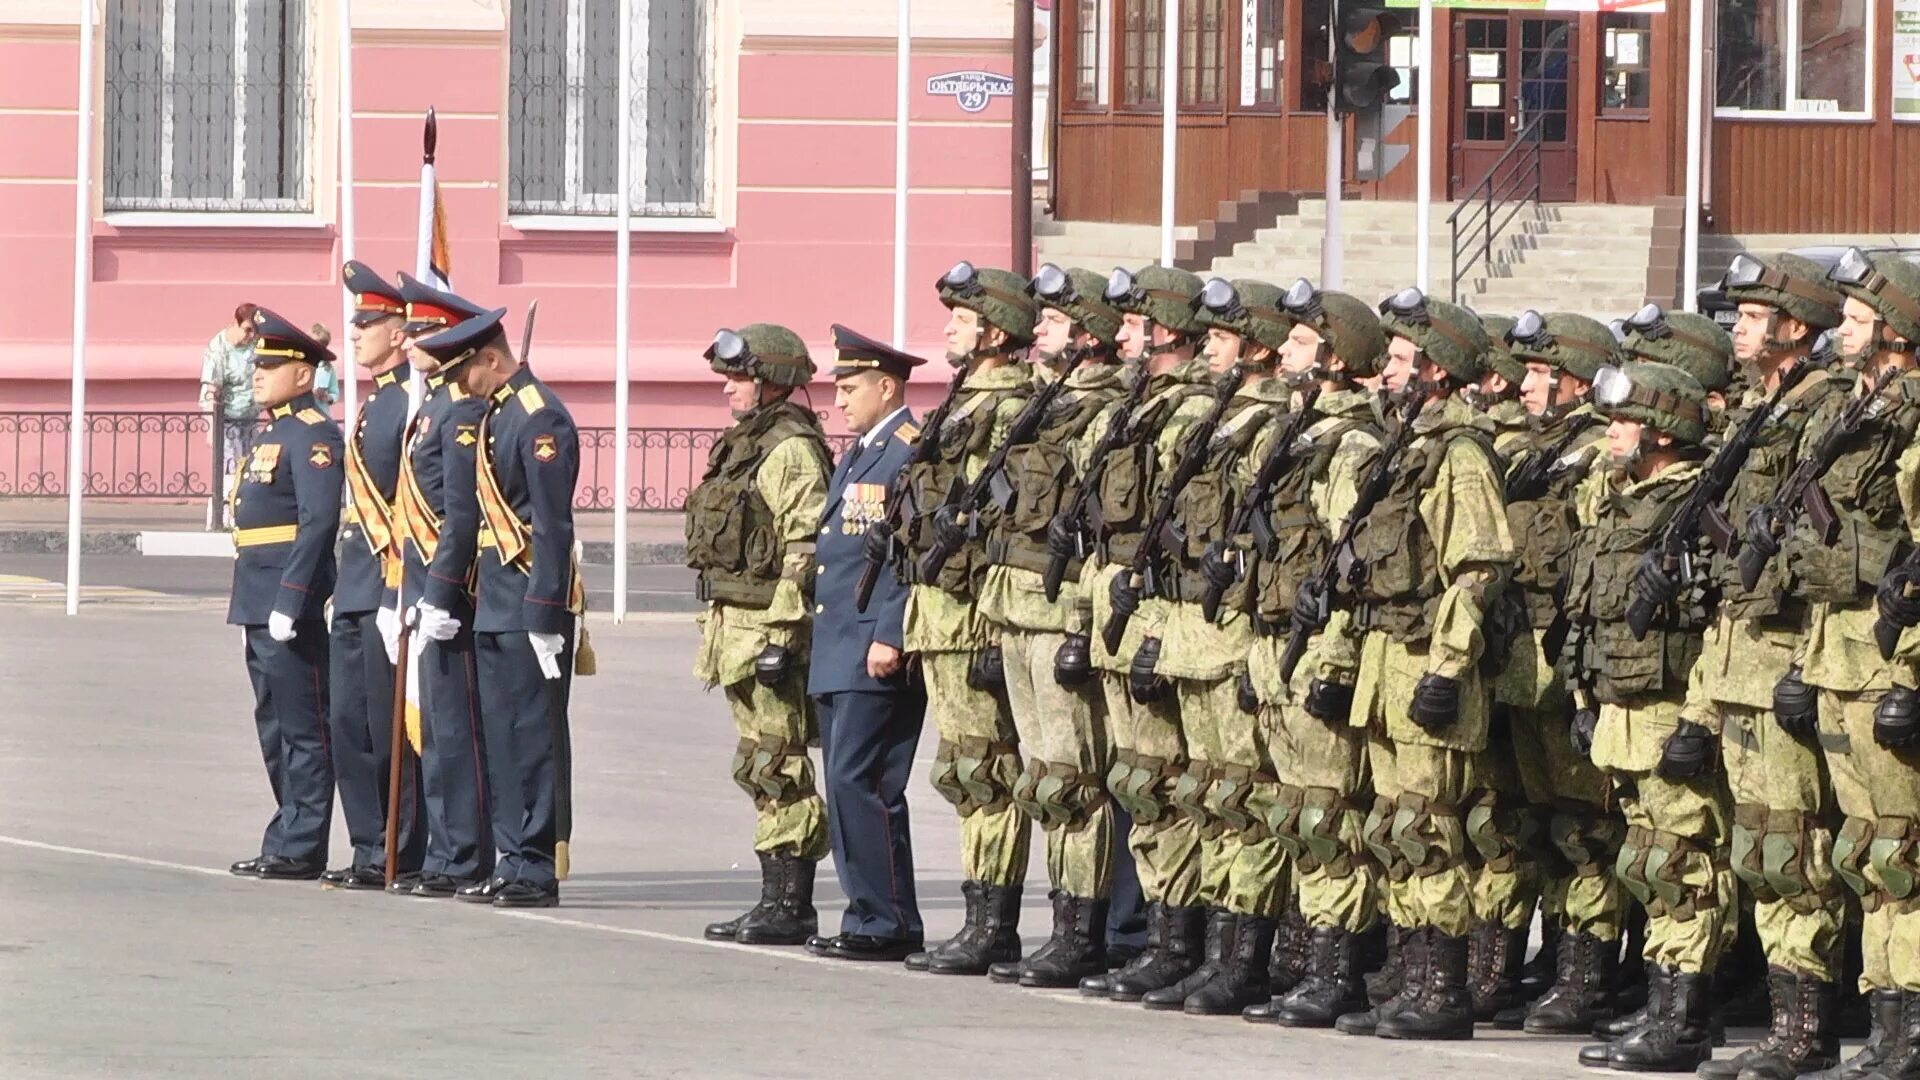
{"points": [[433, 135]]}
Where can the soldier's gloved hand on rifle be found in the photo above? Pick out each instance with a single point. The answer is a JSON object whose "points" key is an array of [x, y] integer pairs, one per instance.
{"points": [[1759, 534], [948, 531], [1796, 706], [1580, 728], [877, 545], [1063, 540], [1329, 702], [1896, 720], [1895, 605], [1216, 564], [1126, 598], [772, 665], [1245, 696], [1073, 661], [1310, 608], [1652, 581], [1436, 702], [1687, 753]]}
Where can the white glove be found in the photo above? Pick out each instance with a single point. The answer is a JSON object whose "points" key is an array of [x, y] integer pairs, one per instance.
{"points": [[280, 627], [546, 649], [436, 623], [387, 620]]}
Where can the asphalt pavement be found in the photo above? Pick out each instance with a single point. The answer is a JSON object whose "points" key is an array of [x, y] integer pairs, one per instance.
{"points": [[130, 778]]}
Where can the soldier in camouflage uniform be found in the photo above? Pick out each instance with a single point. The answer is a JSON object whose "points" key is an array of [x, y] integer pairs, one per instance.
{"points": [[977, 762], [1498, 394], [750, 534], [1781, 844], [1158, 334], [1228, 785], [1045, 645], [1428, 564], [1317, 755], [1693, 343], [1628, 723]]}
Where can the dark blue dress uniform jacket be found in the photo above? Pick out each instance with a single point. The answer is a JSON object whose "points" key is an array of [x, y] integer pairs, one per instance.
{"points": [[855, 499], [286, 515], [534, 449], [379, 430]]}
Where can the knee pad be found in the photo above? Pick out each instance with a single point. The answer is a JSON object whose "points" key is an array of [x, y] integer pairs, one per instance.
{"points": [[1658, 863], [1851, 846], [1585, 838], [1323, 823], [1227, 800], [1191, 795], [1630, 866], [1895, 857], [1429, 834], [975, 773], [1775, 855], [765, 769], [742, 769], [1493, 832], [1138, 783], [1058, 795], [1377, 834], [1283, 821]]}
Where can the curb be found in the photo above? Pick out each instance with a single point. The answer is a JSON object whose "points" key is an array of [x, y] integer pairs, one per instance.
{"points": [[127, 542]]}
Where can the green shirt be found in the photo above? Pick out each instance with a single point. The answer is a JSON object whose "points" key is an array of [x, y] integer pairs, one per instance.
{"points": [[231, 368]]}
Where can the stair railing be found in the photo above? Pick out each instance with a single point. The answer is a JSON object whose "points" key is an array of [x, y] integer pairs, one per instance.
{"points": [[1512, 182]]}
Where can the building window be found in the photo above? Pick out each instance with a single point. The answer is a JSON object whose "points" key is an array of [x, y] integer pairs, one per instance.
{"points": [[564, 79], [1316, 64], [1263, 52], [1140, 55], [1202, 53], [1092, 49], [1800, 57], [1484, 116], [1625, 71], [208, 105], [1404, 57]]}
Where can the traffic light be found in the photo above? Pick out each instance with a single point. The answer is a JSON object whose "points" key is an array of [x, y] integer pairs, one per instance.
{"points": [[1361, 74]]}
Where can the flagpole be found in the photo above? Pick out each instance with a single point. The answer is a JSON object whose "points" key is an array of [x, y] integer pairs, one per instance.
{"points": [[622, 312], [1696, 108], [349, 377], [423, 250], [903, 58], [1169, 122], [82, 275], [1423, 163]]}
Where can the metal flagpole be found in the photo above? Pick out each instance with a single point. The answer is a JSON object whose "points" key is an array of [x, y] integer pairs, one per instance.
{"points": [[1696, 106], [1169, 121], [903, 50], [1330, 238], [82, 274], [622, 312], [1423, 160], [349, 377]]}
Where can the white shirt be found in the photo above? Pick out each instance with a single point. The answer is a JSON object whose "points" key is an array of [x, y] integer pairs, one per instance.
{"points": [[867, 440]]}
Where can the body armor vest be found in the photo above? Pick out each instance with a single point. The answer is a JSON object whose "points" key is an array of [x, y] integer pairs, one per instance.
{"points": [[1300, 537], [1605, 655], [1543, 528], [732, 537], [1773, 457], [1205, 507], [1120, 511], [1861, 487], [967, 432], [1394, 556], [1043, 479]]}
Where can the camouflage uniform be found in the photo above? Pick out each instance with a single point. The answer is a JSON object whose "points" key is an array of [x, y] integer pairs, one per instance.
{"points": [[756, 572]]}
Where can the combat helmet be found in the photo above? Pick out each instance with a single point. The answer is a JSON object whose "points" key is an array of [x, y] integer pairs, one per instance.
{"points": [[1344, 322], [1662, 396], [1786, 282], [1245, 307], [999, 297], [765, 351], [1078, 293], [1890, 285], [1448, 334], [1160, 294], [1500, 358], [1693, 343], [1573, 344]]}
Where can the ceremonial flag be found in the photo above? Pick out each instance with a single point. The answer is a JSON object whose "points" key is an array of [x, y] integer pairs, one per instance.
{"points": [[433, 267]]}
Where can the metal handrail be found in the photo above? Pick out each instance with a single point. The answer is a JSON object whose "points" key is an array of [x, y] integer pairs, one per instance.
{"points": [[1495, 195]]}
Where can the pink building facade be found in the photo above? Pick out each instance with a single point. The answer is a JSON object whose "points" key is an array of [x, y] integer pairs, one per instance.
{"points": [[765, 190]]}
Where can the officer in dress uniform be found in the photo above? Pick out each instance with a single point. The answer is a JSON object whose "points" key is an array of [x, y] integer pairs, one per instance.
{"points": [[530, 600], [362, 683], [869, 700], [286, 510], [439, 513]]}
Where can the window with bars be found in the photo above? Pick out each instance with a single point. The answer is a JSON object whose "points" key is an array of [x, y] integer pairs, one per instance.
{"points": [[1202, 53], [564, 85], [1092, 49], [209, 105], [1140, 66]]}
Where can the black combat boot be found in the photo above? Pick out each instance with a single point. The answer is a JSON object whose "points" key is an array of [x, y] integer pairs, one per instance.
{"points": [[1582, 993], [1242, 979], [1387, 980], [1903, 1050], [1444, 1008], [1077, 949], [995, 938], [1677, 1036], [1630, 968], [1182, 946], [790, 919], [1801, 1038], [975, 894], [1409, 959], [1292, 939], [1536, 977], [1883, 1018], [1332, 987], [1659, 988], [769, 892], [1220, 935], [1495, 956]]}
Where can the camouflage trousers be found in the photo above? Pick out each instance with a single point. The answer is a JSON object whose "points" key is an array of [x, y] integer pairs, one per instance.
{"points": [[1671, 862], [1877, 851], [1416, 830], [1064, 738], [1229, 791], [1320, 816], [975, 767], [771, 765], [1563, 827], [1149, 760]]}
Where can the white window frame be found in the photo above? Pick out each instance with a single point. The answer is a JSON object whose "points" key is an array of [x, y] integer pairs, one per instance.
{"points": [[165, 208], [587, 211], [1790, 58]]}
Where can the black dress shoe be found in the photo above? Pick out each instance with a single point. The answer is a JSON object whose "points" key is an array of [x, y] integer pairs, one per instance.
{"points": [[820, 945], [336, 877], [436, 887], [870, 947], [246, 867], [364, 878], [481, 892], [521, 894], [403, 884], [281, 868]]}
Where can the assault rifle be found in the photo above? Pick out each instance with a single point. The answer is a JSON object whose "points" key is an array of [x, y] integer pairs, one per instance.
{"points": [[1529, 481], [1118, 434], [1701, 511], [1248, 515], [1378, 481], [923, 451], [967, 500], [1191, 461]]}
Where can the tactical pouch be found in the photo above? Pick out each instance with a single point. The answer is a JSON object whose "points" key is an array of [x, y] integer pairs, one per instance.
{"points": [[1122, 501]]}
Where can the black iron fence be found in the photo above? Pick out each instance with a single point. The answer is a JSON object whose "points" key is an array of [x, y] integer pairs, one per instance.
{"points": [[170, 456]]}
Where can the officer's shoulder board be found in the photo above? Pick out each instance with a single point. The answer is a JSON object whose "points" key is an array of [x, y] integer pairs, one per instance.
{"points": [[530, 399], [908, 433], [311, 416]]}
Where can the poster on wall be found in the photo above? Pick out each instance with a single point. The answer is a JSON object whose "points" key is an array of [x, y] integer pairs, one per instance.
{"points": [[1906, 59]]}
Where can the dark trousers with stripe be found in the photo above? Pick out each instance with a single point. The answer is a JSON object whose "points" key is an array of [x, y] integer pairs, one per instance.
{"points": [[518, 710], [290, 714], [454, 766], [361, 723], [867, 740]]}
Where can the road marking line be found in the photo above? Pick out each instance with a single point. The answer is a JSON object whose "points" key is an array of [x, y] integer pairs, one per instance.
{"points": [[114, 856]]}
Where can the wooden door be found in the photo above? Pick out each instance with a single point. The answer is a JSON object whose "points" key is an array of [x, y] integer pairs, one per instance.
{"points": [[1510, 70]]}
